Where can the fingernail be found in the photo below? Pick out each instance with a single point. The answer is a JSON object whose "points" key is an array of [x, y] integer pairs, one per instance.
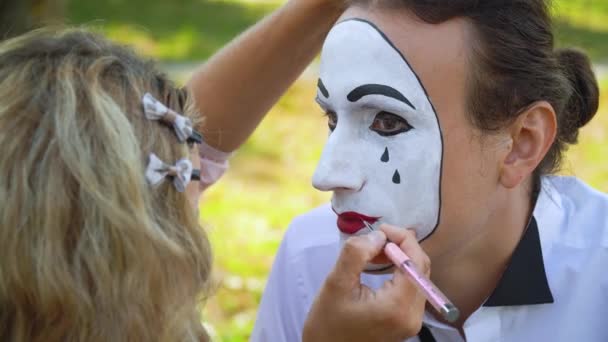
{"points": [[377, 237], [413, 231]]}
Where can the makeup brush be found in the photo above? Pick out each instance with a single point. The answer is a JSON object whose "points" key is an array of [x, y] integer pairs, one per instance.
{"points": [[437, 299]]}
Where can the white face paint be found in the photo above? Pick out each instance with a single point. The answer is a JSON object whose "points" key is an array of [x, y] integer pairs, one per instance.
{"points": [[383, 159]]}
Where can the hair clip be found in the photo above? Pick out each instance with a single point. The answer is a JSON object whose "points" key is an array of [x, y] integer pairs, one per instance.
{"points": [[156, 110], [182, 173], [196, 175]]}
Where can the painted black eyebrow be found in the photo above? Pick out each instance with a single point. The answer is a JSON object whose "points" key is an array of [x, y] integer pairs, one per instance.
{"points": [[377, 89], [322, 88]]}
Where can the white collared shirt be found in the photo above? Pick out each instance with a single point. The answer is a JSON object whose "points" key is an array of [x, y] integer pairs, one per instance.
{"points": [[554, 289]]}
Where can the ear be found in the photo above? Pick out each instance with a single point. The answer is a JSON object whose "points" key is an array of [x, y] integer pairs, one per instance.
{"points": [[532, 135]]}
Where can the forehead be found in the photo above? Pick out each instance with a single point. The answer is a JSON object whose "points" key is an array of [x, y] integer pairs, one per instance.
{"points": [[438, 54], [356, 53]]}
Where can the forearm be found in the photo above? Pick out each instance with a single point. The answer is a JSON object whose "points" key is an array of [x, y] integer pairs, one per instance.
{"points": [[237, 86]]}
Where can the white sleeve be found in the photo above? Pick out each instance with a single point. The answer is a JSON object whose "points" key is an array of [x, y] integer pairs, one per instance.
{"points": [[283, 309]]}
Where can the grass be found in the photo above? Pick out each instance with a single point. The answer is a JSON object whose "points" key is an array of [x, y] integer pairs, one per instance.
{"points": [[583, 23], [188, 30], [269, 179], [175, 30], [587, 159]]}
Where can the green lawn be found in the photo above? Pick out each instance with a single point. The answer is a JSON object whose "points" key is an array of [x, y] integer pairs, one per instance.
{"points": [[171, 30], [269, 180], [186, 30], [583, 23], [588, 160]]}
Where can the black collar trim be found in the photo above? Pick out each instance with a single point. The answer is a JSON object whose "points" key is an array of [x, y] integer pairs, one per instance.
{"points": [[524, 282]]}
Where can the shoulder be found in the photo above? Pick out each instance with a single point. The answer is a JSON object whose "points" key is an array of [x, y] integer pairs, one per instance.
{"points": [[577, 191], [313, 230], [309, 250], [583, 208], [572, 220], [306, 255]]}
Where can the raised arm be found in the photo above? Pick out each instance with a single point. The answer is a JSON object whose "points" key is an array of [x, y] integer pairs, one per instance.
{"points": [[237, 86]]}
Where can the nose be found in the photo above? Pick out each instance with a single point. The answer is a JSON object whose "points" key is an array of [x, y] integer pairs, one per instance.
{"points": [[338, 168]]}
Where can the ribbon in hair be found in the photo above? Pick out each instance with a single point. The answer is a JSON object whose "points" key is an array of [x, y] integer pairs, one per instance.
{"points": [[157, 171], [156, 110]]}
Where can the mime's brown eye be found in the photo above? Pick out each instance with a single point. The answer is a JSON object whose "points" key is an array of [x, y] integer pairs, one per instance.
{"points": [[389, 124], [332, 120]]}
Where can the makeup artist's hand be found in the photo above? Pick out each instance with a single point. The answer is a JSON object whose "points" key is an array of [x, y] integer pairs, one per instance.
{"points": [[346, 310]]}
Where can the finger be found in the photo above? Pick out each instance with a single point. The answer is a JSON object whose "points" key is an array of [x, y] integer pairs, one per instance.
{"points": [[407, 302], [408, 243], [356, 253], [403, 292], [381, 259], [421, 260], [397, 234], [394, 234]]}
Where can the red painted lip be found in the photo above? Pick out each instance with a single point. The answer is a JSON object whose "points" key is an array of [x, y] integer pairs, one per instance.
{"points": [[351, 222]]}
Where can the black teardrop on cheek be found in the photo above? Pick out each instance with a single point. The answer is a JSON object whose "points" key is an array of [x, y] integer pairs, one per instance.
{"points": [[396, 177], [385, 157]]}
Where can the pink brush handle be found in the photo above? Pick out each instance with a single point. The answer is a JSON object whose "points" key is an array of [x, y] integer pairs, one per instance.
{"points": [[437, 299]]}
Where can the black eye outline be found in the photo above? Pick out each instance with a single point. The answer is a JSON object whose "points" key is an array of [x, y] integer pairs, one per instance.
{"points": [[397, 120], [331, 116]]}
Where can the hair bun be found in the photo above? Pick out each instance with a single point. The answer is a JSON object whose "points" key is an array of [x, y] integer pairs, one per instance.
{"points": [[584, 97]]}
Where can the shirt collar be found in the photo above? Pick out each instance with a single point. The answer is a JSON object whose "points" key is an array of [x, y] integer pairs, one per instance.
{"points": [[524, 282]]}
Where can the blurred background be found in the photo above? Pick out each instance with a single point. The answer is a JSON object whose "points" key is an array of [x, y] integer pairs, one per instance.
{"points": [[269, 180]]}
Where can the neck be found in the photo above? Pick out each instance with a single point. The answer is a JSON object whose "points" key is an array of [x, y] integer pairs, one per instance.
{"points": [[469, 274]]}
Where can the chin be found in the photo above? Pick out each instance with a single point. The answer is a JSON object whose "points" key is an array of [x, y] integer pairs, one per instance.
{"points": [[379, 268]]}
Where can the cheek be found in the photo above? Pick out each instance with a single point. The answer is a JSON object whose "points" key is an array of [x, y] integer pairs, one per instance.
{"points": [[410, 180], [468, 174]]}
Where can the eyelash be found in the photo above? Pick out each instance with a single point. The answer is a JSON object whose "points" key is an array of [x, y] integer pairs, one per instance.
{"points": [[394, 119], [381, 117], [331, 115]]}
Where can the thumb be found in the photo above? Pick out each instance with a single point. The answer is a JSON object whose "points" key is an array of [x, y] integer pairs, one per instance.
{"points": [[356, 253]]}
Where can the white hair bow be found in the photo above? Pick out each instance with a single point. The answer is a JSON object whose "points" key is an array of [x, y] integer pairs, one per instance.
{"points": [[157, 171], [156, 110]]}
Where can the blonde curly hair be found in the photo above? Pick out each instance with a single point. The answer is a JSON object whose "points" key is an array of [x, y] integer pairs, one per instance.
{"points": [[91, 252]]}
